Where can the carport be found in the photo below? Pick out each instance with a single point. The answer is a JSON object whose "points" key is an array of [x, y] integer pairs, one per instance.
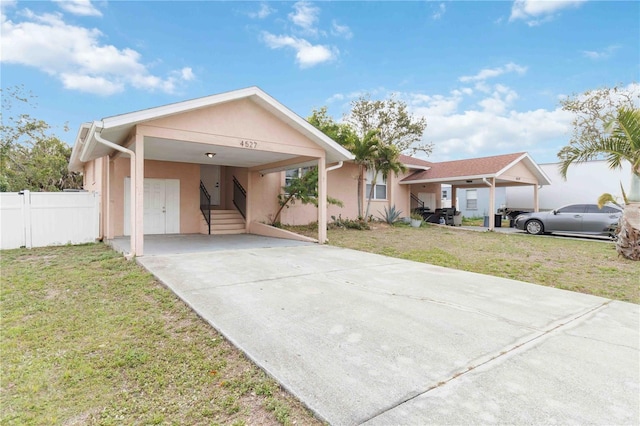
{"points": [[148, 165], [516, 169]]}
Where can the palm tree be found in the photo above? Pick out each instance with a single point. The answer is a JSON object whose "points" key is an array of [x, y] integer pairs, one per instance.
{"points": [[619, 144], [365, 151], [386, 161]]}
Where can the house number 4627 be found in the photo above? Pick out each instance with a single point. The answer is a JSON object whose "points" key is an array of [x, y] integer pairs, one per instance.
{"points": [[248, 144]]}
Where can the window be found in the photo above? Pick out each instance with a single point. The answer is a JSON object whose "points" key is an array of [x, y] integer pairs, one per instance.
{"points": [[575, 208], [472, 199], [593, 208], [294, 173], [444, 194], [380, 191]]}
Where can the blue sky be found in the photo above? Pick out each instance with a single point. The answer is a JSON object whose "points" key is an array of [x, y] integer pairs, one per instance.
{"points": [[486, 75]]}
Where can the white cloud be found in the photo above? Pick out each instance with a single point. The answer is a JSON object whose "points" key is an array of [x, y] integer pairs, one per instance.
{"points": [[340, 30], [473, 133], [467, 123], [600, 54], [187, 74], [75, 56], [488, 73], [305, 16], [88, 84], [79, 7], [307, 54], [264, 11], [442, 8], [536, 12]]}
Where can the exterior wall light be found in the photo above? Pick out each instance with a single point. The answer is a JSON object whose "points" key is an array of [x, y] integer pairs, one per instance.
{"points": [[210, 154]]}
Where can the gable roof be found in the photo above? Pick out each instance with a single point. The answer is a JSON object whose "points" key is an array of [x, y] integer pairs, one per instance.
{"points": [[476, 168], [117, 128]]}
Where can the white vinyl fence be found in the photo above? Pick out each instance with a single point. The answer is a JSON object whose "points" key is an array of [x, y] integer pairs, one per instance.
{"points": [[38, 219]]}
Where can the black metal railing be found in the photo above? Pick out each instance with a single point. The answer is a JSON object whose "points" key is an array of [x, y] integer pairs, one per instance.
{"points": [[239, 197], [416, 203], [205, 205]]}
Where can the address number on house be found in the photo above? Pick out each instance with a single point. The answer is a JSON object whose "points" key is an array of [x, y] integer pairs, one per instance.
{"points": [[248, 144]]}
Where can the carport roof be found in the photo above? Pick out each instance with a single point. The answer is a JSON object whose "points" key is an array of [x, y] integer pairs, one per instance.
{"points": [[118, 127], [475, 169]]}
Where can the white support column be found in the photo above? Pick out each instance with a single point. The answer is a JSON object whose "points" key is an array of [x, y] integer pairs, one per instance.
{"points": [[536, 201], [492, 205], [322, 200], [139, 191], [108, 227]]}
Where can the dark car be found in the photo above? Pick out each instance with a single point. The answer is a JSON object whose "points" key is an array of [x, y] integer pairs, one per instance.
{"points": [[572, 219]]}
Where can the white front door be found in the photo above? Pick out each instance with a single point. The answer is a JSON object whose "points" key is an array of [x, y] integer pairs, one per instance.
{"points": [[210, 177], [161, 206]]}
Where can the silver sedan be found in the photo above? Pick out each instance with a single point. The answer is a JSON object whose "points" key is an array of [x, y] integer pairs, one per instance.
{"points": [[572, 219]]}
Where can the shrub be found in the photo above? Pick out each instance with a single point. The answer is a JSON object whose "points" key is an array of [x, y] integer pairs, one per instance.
{"points": [[339, 222], [390, 216]]}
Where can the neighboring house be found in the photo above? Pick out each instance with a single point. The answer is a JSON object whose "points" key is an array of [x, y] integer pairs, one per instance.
{"points": [[476, 181], [584, 184], [166, 170]]}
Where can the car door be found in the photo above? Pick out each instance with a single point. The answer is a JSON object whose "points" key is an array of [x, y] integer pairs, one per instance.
{"points": [[597, 220], [566, 219]]}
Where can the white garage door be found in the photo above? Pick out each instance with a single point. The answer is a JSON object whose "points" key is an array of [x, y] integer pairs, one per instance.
{"points": [[161, 206]]}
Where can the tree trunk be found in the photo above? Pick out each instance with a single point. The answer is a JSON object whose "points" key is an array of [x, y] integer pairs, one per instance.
{"points": [[628, 242], [371, 192]]}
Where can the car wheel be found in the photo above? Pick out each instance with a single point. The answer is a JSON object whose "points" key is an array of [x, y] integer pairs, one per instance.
{"points": [[534, 227]]}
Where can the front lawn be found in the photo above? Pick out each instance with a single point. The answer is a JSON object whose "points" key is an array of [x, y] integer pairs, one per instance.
{"points": [[90, 338], [586, 266]]}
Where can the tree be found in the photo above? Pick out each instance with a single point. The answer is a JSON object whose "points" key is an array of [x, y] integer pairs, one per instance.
{"points": [[607, 125], [385, 161], [390, 117], [304, 189], [30, 156], [363, 148]]}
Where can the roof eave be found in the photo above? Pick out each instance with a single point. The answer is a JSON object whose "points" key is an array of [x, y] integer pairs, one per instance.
{"points": [[446, 179]]}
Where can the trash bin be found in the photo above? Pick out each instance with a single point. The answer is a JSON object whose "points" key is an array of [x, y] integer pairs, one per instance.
{"points": [[498, 219], [486, 222]]}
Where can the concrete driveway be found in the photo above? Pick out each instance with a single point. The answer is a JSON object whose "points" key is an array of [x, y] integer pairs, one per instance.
{"points": [[367, 339]]}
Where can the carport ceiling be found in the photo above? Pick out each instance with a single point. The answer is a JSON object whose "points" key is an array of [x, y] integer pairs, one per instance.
{"points": [[191, 152]]}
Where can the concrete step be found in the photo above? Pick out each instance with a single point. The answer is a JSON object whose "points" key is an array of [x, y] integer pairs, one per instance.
{"points": [[224, 222]]}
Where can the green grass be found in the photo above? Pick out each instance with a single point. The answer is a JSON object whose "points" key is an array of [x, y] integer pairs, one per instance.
{"points": [[89, 338], [586, 266]]}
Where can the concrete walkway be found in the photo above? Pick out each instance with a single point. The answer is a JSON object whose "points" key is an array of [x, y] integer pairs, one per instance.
{"points": [[366, 339]]}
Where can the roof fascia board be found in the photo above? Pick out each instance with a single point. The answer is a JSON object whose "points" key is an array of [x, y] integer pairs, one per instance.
{"points": [[413, 166], [304, 125], [176, 108], [446, 179], [531, 164]]}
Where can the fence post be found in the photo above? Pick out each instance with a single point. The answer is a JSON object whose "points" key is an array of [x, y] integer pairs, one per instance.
{"points": [[26, 214]]}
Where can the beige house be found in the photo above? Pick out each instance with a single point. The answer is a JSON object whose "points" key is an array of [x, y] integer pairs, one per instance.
{"points": [[215, 165]]}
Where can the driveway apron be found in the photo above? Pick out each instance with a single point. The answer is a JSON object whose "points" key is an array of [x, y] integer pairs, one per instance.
{"points": [[367, 339]]}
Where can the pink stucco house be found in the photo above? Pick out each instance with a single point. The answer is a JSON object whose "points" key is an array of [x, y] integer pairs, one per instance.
{"points": [[216, 164]]}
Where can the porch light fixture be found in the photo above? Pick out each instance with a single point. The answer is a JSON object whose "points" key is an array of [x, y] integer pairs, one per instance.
{"points": [[210, 154]]}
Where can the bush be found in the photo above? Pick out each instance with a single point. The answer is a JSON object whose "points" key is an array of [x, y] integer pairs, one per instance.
{"points": [[339, 222], [390, 216]]}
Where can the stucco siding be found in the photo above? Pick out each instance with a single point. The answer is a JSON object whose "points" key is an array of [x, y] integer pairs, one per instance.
{"points": [[189, 176], [242, 118]]}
